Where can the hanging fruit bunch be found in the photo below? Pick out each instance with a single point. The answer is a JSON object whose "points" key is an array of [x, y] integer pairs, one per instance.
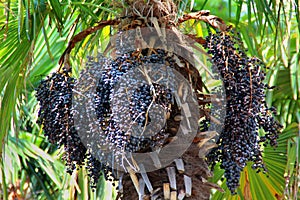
{"points": [[117, 118], [246, 108]]}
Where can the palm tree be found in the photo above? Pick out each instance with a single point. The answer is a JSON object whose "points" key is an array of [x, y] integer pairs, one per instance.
{"points": [[34, 34]]}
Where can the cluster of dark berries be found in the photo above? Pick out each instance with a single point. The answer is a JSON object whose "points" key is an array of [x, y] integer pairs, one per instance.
{"points": [[64, 112], [110, 74], [143, 97], [246, 110], [55, 115], [121, 108]]}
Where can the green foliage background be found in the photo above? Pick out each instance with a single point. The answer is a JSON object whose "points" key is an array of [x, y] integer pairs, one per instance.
{"points": [[33, 35]]}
